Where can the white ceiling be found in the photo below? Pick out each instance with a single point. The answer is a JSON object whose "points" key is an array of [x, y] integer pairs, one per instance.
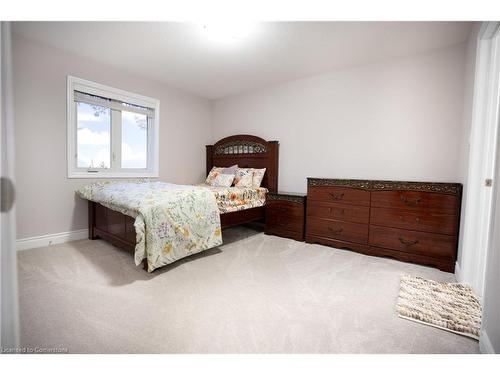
{"points": [[181, 55]]}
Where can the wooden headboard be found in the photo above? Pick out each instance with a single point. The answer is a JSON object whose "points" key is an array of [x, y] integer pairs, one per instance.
{"points": [[248, 151]]}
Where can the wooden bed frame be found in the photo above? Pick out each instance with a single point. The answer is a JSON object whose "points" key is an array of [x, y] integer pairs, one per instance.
{"points": [[247, 151]]}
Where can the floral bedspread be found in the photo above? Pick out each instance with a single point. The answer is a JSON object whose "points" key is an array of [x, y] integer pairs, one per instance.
{"points": [[231, 199], [171, 221]]}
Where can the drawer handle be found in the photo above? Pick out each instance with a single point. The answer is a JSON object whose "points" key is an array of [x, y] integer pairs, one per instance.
{"points": [[337, 196], [417, 219], [410, 202], [336, 231], [407, 242]]}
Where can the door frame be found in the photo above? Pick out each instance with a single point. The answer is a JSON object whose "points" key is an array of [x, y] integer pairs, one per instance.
{"points": [[9, 308], [479, 198]]}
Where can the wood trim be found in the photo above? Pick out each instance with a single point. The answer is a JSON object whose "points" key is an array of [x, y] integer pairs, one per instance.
{"points": [[428, 187], [297, 236], [443, 265], [209, 158], [286, 197], [232, 219], [273, 166], [338, 244], [91, 218], [372, 185], [120, 242], [357, 184]]}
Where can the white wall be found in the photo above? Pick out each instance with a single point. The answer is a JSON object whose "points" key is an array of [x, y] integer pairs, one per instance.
{"points": [[46, 202], [399, 119]]}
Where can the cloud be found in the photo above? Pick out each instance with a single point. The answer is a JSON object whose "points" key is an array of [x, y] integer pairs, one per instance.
{"points": [[133, 159], [96, 151], [94, 158], [89, 137]]}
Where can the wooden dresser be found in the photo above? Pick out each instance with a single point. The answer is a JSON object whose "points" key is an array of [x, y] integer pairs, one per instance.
{"points": [[409, 221]]}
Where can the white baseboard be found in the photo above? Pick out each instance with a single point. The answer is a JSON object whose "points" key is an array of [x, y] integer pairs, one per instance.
{"points": [[50, 239], [485, 344]]}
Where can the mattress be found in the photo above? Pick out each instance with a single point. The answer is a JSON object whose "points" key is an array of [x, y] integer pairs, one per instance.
{"points": [[171, 221], [232, 199]]}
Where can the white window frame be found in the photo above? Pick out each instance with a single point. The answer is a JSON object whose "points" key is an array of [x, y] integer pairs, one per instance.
{"points": [[75, 83]]}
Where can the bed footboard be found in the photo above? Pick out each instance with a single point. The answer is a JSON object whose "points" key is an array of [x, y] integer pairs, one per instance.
{"points": [[112, 226]]}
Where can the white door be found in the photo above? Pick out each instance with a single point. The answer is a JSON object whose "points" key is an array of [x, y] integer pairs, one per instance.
{"points": [[483, 143], [489, 341]]}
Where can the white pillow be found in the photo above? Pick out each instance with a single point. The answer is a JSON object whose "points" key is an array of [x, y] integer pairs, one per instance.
{"points": [[244, 177], [258, 176], [224, 180], [216, 171]]}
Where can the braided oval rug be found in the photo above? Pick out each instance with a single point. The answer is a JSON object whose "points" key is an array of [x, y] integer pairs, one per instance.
{"points": [[449, 306]]}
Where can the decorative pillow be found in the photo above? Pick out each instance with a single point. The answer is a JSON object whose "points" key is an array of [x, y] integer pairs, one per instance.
{"points": [[225, 180], [216, 171], [244, 177], [230, 170], [258, 176]]}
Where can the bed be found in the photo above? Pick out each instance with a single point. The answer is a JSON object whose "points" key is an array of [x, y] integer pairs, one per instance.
{"points": [[247, 151]]}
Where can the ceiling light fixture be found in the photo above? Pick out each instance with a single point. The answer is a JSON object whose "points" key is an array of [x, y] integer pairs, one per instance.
{"points": [[227, 32]]}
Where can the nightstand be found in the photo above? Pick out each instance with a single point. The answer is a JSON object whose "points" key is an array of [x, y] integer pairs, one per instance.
{"points": [[285, 213]]}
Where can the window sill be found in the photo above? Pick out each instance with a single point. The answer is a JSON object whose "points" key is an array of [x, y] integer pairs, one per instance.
{"points": [[98, 175]]}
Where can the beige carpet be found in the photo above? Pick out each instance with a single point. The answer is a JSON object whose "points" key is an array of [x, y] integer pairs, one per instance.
{"points": [[449, 306], [254, 294]]}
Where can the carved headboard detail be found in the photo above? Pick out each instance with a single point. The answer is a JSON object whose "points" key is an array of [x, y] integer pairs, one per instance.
{"points": [[248, 151], [240, 147]]}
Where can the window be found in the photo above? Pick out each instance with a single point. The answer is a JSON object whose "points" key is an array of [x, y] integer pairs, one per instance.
{"points": [[111, 132]]}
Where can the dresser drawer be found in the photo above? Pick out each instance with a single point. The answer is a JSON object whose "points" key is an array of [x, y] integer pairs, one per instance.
{"points": [[426, 221], [339, 195], [285, 208], [284, 215], [336, 211], [283, 222], [339, 230], [414, 200], [429, 244]]}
